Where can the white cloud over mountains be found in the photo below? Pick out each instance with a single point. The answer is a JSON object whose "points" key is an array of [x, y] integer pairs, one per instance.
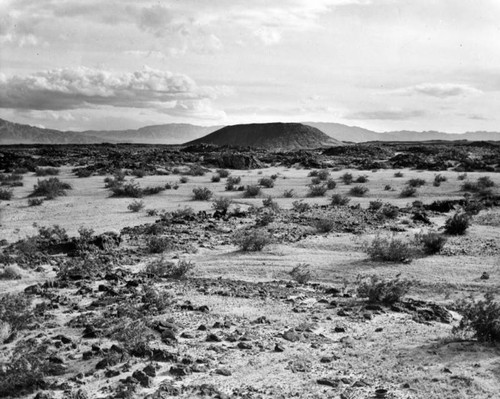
{"points": [[72, 88], [440, 90]]}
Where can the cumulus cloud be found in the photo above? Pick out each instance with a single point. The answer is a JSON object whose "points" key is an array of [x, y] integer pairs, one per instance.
{"points": [[440, 90], [386, 115], [65, 89]]}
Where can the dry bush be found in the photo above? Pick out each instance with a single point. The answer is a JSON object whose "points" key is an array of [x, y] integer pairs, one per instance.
{"points": [[167, 269], [50, 188], [408, 191], [252, 191], [222, 204], [46, 172], [302, 273], [266, 182], [317, 190], [390, 249], [252, 239], [158, 245], [339, 200], [135, 206], [16, 311], [324, 225], [417, 182], [271, 204], [288, 193], [347, 178], [386, 292], [35, 201], [202, 194], [300, 206], [457, 224], [215, 178], [432, 242], [223, 173], [358, 191], [5, 194], [482, 318], [331, 184], [398, 174]]}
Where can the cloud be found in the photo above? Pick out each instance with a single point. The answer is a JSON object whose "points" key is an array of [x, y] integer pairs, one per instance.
{"points": [[386, 115], [440, 90], [73, 88]]}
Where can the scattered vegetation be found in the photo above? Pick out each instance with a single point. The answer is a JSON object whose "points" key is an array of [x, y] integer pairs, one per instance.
{"points": [[347, 178], [202, 194], [252, 191], [158, 245], [223, 173], [438, 179], [339, 200], [390, 249], [136, 206], [301, 206], [317, 190], [302, 273], [457, 224], [50, 188], [417, 182], [167, 269], [252, 239], [288, 193], [386, 292], [358, 191], [398, 174], [35, 201], [482, 318], [408, 191]]}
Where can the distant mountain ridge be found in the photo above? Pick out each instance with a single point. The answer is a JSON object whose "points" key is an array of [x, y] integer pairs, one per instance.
{"points": [[276, 136], [178, 133]]}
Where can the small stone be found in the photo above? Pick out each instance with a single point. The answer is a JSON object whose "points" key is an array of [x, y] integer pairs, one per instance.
{"points": [[244, 345], [224, 372], [291, 336], [213, 338], [485, 276], [149, 370], [339, 329], [143, 379], [330, 382], [279, 348]]}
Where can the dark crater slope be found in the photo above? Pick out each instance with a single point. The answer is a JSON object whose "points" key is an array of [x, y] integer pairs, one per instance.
{"points": [[271, 136]]}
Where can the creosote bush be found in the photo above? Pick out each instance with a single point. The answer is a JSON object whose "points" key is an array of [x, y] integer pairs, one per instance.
{"points": [[300, 206], [417, 182], [136, 206], [390, 249], [223, 173], [252, 239], [432, 242], [362, 179], [35, 201], [266, 182], [167, 269], [50, 188], [202, 194], [347, 178], [215, 178], [438, 179], [386, 292], [301, 273], [46, 171], [408, 191], [5, 194], [358, 191], [270, 203], [375, 205], [457, 224], [317, 190], [222, 204], [339, 200], [252, 191], [331, 184], [482, 318]]}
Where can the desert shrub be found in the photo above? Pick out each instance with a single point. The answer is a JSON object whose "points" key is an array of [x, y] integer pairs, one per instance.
{"points": [[313, 173], [473, 206], [202, 194], [358, 191], [300, 206], [223, 173], [316, 180], [234, 180], [362, 179], [117, 180], [20, 171], [158, 245], [387, 187], [390, 211], [10, 273], [252, 191], [317, 190], [16, 311], [136, 206], [151, 190], [52, 234], [196, 170], [391, 249], [215, 178], [50, 188], [417, 182], [324, 225], [5, 194], [386, 292], [183, 213], [301, 273], [82, 172], [265, 218], [152, 212], [251, 239], [134, 334], [408, 191], [183, 179], [432, 242], [46, 171], [288, 193], [398, 174], [375, 205], [485, 182], [339, 200], [331, 184], [140, 173], [482, 318], [462, 176], [457, 224], [26, 369], [438, 179], [323, 174], [274, 176], [268, 202], [128, 190], [266, 182], [222, 204], [167, 269], [347, 178]]}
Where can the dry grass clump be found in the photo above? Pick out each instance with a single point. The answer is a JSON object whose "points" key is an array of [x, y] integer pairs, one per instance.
{"points": [[358, 191], [50, 188], [5, 194], [136, 206]]}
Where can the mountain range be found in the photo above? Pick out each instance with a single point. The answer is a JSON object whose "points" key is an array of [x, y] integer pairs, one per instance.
{"points": [[175, 133]]}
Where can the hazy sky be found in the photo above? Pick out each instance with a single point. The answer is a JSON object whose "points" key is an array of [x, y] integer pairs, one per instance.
{"points": [[379, 64]]}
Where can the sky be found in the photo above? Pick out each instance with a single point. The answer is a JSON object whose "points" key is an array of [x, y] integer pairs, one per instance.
{"points": [[379, 64]]}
